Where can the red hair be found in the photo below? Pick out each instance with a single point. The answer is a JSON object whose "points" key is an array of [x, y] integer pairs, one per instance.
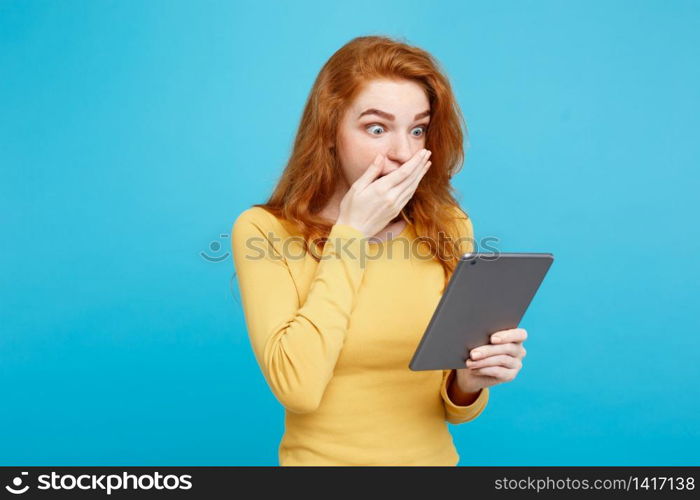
{"points": [[310, 177]]}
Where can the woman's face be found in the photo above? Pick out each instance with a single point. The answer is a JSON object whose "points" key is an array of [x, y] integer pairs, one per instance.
{"points": [[388, 117]]}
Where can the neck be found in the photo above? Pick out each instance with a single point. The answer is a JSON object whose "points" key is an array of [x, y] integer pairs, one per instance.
{"points": [[331, 211]]}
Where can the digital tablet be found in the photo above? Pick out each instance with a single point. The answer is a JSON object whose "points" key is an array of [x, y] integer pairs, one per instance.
{"points": [[487, 292]]}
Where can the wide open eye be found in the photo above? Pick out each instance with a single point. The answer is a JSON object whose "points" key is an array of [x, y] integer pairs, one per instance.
{"points": [[423, 130], [375, 127]]}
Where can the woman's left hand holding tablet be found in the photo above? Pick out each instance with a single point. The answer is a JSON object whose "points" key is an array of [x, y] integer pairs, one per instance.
{"points": [[494, 363]]}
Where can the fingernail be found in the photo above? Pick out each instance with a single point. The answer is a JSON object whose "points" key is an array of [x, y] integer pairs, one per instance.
{"points": [[496, 338], [476, 354]]}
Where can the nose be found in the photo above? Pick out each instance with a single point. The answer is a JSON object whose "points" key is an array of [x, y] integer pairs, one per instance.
{"points": [[399, 152]]}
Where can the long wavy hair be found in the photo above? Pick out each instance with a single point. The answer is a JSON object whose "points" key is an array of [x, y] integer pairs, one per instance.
{"points": [[310, 176]]}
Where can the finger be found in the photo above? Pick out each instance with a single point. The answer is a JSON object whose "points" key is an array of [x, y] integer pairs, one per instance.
{"points": [[402, 192], [408, 190], [485, 351], [499, 360], [408, 193], [400, 174], [414, 176], [498, 372], [512, 335], [371, 173]]}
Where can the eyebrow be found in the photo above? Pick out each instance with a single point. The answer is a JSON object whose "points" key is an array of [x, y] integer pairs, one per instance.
{"points": [[389, 116]]}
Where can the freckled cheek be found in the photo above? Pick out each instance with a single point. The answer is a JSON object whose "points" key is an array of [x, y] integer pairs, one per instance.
{"points": [[358, 152], [360, 166], [362, 155], [355, 162]]}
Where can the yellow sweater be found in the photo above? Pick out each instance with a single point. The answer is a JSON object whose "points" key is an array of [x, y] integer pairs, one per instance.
{"points": [[334, 338]]}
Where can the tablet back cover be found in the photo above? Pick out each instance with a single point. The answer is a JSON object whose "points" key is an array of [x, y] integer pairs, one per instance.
{"points": [[487, 293]]}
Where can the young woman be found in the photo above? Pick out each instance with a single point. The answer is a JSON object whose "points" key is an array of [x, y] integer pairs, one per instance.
{"points": [[334, 302]]}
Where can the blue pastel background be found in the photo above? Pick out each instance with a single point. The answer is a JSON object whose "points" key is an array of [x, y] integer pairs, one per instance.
{"points": [[133, 133]]}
